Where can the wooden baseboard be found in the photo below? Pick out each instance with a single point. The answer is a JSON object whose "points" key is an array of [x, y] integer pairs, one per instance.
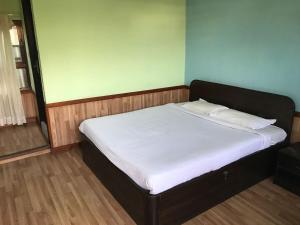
{"points": [[24, 155], [108, 97], [31, 120], [296, 129], [64, 147]]}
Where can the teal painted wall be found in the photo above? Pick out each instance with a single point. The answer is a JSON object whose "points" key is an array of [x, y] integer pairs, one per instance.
{"points": [[248, 43]]}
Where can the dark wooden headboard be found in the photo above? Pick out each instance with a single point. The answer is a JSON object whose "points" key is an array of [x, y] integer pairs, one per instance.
{"points": [[267, 105]]}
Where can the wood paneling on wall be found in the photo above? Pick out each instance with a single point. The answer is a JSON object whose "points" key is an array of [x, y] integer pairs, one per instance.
{"points": [[296, 129], [30, 106], [64, 118]]}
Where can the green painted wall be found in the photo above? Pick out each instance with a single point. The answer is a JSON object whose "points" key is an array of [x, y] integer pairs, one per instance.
{"points": [[101, 47], [248, 43], [10, 7]]}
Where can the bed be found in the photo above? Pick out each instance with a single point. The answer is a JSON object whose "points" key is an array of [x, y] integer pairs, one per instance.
{"points": [[158, 186]]}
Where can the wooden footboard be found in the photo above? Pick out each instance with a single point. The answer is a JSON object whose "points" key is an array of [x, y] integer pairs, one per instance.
{"points": [[186, 200], [138, 203]]}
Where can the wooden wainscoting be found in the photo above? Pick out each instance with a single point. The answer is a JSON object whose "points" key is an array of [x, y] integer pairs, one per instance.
{"points": [[296, 129], [30, 105], [65, 117]]}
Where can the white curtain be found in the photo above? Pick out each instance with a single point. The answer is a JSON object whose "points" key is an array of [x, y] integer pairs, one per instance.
{"points": [[11, 107]]}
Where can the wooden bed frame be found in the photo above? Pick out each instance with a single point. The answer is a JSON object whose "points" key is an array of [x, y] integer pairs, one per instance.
{"points": [[189, 199]]}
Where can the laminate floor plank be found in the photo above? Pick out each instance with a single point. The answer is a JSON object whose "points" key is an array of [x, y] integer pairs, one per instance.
{"points": [[16, 139], [59, 189]]}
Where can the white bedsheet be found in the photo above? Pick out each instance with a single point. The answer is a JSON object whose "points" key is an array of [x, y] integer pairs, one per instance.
{"points": [[161, 147]]}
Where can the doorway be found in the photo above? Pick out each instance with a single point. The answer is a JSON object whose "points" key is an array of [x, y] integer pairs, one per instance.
{"points": [[21, 91]]}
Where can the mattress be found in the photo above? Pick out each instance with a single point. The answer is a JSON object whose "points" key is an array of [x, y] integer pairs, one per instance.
{"points": [[164, 146]]}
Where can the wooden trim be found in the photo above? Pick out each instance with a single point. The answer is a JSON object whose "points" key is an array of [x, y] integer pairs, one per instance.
{"points": [[49, 128], [21, 65], [31, 119], [24, 155], [29, 105], [64, 147], [296, 129], [106, 97], [297, 114], [26, 91], [24, 152]]}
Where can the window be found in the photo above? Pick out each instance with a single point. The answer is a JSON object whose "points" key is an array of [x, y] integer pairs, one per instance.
{"points": [[19, 51]]}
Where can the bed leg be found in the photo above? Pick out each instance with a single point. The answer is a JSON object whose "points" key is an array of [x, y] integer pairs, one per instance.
{"points": [[151, 213]]}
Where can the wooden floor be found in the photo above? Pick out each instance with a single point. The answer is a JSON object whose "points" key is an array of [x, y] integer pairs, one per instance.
{"points": [[15, 139], [59, 189]]}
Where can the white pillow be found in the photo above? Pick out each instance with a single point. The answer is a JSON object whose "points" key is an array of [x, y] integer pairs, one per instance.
{"points": [[242, 119], [203, 107]]}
